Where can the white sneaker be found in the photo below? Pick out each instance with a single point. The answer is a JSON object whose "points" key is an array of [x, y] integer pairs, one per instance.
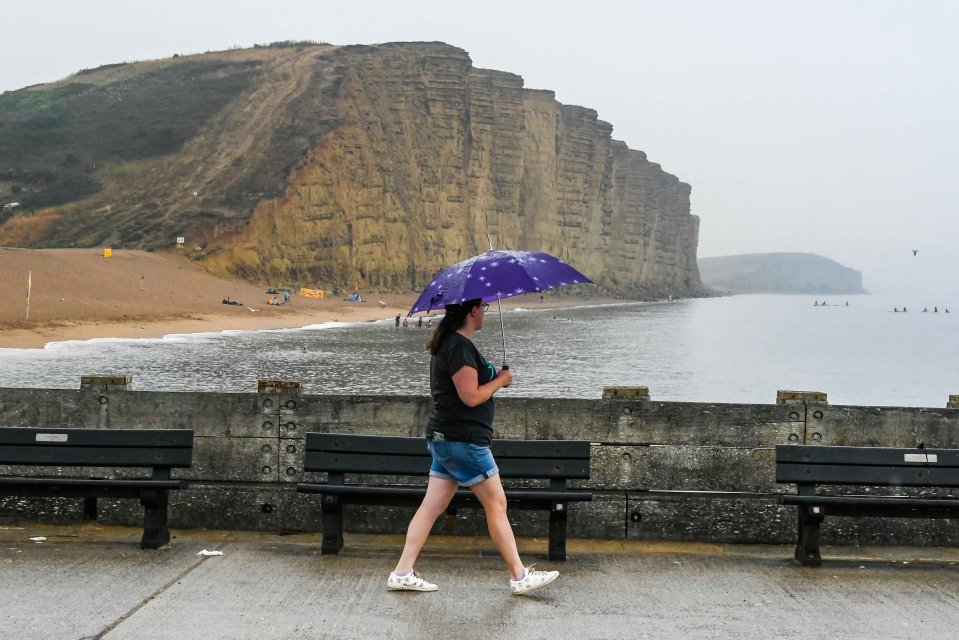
{"points": [[532, 580], [410, 582]]}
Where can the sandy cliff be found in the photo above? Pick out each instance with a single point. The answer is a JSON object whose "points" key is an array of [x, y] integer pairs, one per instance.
{"points": [[369, 167]]}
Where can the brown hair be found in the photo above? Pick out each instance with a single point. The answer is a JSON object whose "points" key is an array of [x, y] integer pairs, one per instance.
{"points": [[454, 319]]}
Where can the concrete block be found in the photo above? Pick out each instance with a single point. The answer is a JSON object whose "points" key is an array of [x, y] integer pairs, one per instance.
{"points": [[291, 387], [234, 460], [106, 382], [635, 394], [714, 519], [558, 419], [800, 397], [683, 468], [290, 462], [16, 509], [208, 414], [250, 507], [704, 424], [387, 415], [904, 427]]}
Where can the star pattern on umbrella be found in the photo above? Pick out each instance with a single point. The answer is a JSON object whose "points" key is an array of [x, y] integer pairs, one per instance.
{"points": [[496, 274]]}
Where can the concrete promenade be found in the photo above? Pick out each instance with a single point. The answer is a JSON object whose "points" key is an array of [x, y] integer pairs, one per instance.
{"points": [[92, 581]]}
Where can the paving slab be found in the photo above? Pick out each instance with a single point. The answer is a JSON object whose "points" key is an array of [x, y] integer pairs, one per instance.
{"points": [[94, 582], [68, 587]]}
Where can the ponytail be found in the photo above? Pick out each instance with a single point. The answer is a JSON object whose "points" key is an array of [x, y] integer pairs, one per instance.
{"points": [[454, 319]]}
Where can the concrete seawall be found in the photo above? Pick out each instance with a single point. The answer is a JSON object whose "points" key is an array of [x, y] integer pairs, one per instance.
{"points": [[660, 470]]}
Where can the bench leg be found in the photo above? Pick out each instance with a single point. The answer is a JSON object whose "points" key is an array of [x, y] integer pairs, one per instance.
{"points": [[557, 532], [807, 549], [155, 531], [332, 525], [90, 508]]}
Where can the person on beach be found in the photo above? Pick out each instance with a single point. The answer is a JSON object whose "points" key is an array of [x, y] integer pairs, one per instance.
{"points": [[459, 433]]}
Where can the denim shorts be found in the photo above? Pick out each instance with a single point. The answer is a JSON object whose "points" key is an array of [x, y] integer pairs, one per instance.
{"points": [[466, 463]]}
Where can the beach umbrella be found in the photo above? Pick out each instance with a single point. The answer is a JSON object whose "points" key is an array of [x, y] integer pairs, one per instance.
{"points": [[495, 275]]}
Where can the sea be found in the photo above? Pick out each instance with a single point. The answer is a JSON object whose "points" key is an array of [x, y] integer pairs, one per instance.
{"points": [[860, 350]]}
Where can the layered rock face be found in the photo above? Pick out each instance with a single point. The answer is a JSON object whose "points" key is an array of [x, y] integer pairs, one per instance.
{"points": [[370, 167], [435, 154]]}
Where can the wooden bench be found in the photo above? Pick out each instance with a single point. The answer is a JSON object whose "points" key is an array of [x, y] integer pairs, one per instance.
{"points": [[159, 449], [808, 466], [338, 455]]}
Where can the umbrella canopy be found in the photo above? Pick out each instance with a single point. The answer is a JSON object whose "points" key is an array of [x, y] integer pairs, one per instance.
{"points": [[495, 275]]}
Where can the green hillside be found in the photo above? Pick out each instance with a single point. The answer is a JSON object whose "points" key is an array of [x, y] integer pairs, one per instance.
{"points": [[779, 273]]}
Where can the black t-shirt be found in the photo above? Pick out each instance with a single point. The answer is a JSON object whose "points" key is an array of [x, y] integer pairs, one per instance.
{"points": [[449, 415]]}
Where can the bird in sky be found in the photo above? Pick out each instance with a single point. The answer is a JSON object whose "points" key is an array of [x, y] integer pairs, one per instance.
{"points": [[915, 251]]}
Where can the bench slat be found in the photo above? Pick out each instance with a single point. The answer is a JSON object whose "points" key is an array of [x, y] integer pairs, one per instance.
{"points": [[95, 456], [869, 456], [390, 445], [872, 501], [880, 476], [419, 465], [7, 482], [136, 438]]}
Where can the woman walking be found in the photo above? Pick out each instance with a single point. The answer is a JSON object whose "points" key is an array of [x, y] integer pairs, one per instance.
{"points": [[459, 434]]}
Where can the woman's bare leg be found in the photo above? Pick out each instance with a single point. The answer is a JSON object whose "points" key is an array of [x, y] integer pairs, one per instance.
{"points": [[439, 492], [491, 495]]}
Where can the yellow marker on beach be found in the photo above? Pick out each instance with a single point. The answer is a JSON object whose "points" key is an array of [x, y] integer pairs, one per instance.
{"points": [[29, 286], [107, 252]]}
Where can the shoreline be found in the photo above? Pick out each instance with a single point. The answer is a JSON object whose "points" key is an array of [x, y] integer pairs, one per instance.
{"points": [[46, 334], [79, 295]]}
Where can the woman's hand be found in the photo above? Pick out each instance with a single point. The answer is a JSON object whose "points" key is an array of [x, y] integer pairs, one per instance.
{"points": [[504, 377]]}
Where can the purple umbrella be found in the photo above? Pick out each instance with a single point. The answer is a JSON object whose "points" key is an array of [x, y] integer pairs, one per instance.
{"points": [[495, 275]]}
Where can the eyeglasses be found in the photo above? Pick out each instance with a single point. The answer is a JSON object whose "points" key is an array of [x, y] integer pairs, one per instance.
{"points": [[485, 307]]}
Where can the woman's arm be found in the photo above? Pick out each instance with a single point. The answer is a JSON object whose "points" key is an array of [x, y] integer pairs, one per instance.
{"points": [[471, 392]]}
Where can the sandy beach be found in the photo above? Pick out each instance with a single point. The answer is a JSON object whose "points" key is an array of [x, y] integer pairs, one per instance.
{"points": [[77, 294]]}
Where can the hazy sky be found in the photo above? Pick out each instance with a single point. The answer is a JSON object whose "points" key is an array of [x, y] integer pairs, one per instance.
{"points": [[829, 127]]}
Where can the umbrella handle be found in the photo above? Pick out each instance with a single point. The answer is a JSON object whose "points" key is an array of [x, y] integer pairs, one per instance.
{"points": [[505, 368]]}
